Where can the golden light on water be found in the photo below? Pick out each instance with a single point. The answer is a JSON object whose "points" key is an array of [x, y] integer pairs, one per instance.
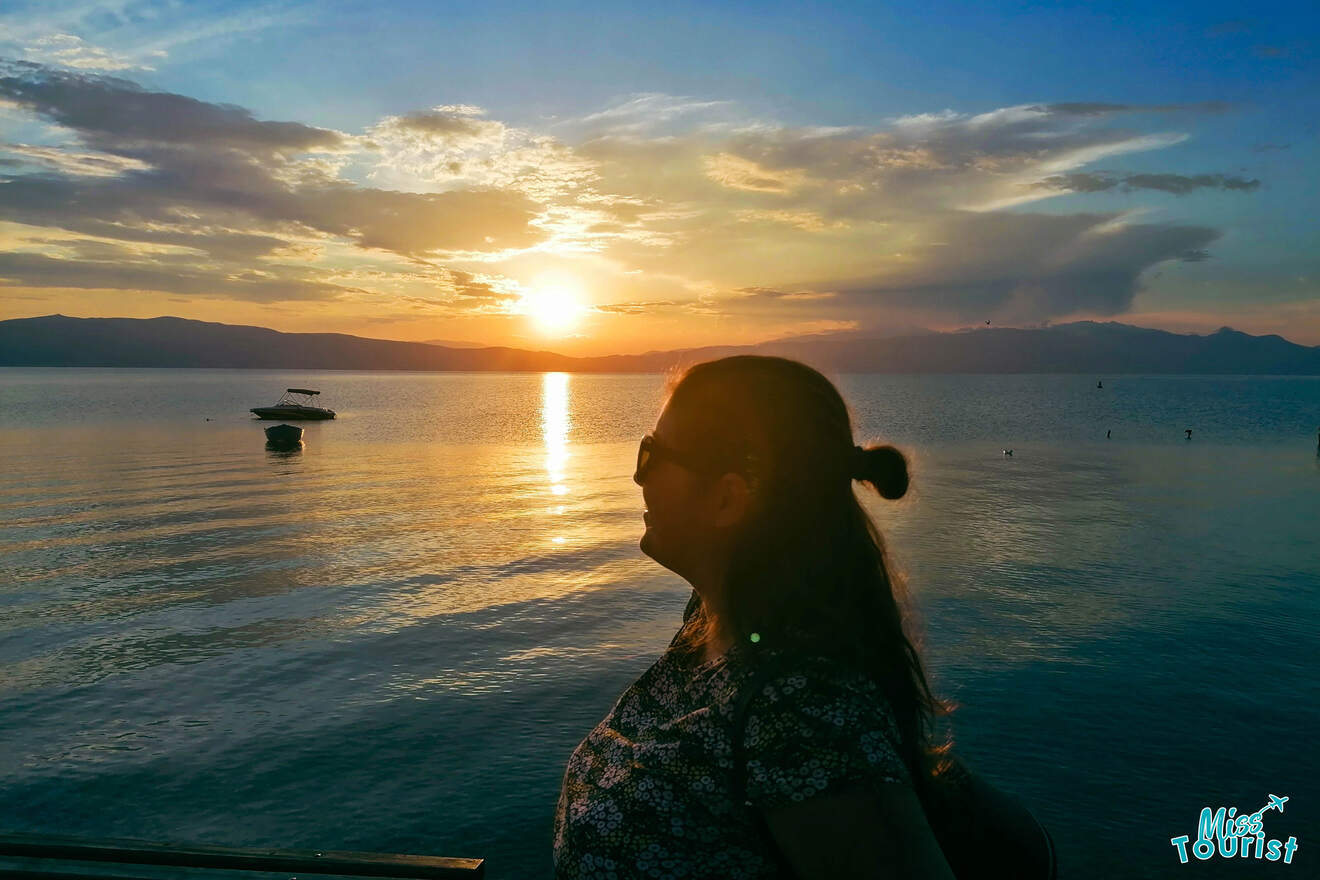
{"points": [[554, 428]]}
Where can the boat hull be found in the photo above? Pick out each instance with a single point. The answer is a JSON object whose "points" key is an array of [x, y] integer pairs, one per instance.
{"points": [[305, 413], [284, 435]]}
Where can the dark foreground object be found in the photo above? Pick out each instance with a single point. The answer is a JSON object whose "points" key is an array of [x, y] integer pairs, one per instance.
{"points": [[985, 833], [988, 833], [45, 857], [284, 435]]}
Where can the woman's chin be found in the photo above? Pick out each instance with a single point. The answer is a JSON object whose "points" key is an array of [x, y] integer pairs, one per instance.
{"points": [[647, 544]]}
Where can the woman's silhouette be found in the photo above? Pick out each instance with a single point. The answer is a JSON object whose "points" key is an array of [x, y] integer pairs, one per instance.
{"points": [[747, 480]]}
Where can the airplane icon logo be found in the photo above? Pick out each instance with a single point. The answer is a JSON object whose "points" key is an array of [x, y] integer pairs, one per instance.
{"points": [[1276, 803]]}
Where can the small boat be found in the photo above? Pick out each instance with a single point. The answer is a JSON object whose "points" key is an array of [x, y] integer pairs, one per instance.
{"points": [[295, 404], [284, 435]]}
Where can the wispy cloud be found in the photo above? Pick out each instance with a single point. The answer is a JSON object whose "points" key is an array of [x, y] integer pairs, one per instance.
{"points": [[648, 113], [72, 51], [1082, 108], [122, 35]]}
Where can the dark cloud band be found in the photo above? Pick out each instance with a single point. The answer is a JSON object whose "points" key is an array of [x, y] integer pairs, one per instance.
{"points": [[1177, 184]]}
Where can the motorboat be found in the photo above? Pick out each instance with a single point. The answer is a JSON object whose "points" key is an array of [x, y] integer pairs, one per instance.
{"points": [[296, 403], [284, 435]]}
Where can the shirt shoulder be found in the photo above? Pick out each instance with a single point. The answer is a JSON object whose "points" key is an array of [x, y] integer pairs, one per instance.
{"points": [[816, 726]]}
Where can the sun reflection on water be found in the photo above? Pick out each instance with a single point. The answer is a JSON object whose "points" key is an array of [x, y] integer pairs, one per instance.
{"points": [[555, 424]]}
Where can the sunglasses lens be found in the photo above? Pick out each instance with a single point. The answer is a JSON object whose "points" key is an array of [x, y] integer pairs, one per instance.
{"points": [[643, 457]]}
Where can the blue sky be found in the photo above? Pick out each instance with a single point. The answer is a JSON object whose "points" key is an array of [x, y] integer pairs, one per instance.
{"points": [[645, 176]]}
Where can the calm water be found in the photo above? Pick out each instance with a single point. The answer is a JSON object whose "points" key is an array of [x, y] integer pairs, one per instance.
{"points": [[393, 639]]}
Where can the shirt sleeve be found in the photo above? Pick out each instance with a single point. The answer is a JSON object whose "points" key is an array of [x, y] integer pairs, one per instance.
{"points": [[813, 732]]}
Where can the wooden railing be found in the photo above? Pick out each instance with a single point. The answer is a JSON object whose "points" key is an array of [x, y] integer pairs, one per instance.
{"points": [[46, 857]]}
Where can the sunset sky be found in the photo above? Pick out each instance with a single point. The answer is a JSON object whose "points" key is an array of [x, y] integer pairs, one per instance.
{"points": [[599, 178]]}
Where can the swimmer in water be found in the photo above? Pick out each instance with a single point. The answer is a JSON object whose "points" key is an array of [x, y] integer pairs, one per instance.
{"points": [[1189, 433], [1107, 433]]}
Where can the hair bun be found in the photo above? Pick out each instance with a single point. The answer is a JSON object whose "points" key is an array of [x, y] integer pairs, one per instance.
{"points": [[884, 467]]}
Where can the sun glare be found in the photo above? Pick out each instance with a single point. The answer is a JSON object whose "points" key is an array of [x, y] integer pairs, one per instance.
{"points": [[554, 308]]}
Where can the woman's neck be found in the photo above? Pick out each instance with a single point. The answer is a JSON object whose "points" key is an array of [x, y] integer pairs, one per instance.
{"points": [[716, 649], [709, 592]]}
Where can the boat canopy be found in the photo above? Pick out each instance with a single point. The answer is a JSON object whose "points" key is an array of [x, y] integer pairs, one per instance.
{"points": [[300, 391]]}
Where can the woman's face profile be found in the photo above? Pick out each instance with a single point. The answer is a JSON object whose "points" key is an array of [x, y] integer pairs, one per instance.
{"points": [[677, 535]]}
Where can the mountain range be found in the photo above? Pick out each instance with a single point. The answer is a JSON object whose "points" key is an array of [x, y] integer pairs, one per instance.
{"points": [[1080, 347]]}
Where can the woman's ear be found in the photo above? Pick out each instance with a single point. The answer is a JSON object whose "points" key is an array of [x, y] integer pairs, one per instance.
{"points": [[731, 499]]}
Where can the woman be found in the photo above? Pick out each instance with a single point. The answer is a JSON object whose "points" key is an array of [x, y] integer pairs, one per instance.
{"points": [[747, 481]]}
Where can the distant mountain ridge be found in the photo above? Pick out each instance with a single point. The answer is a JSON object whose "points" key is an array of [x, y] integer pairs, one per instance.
{"points": [[1081, 347]]}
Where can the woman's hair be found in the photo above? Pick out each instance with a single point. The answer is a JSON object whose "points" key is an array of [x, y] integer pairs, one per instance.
{"points": [[808, 570]]}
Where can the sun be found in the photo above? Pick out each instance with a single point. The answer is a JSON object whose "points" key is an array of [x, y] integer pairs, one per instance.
{"points": [[555, 308]]}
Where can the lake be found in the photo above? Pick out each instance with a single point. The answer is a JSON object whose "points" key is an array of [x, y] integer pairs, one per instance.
{"points": [[393, 638]]}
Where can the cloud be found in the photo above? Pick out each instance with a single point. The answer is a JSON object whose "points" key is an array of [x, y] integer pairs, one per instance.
{"points": [[770, 293], [935, 162], [453, 293], [806, 220], [71, 51], [446, 125], [1012, 267], [454, 146], [695, 212], [141, 33], [71, 161], [1178, 184], [805, 224], [122, 272], [1082, 108], [117, 116], [1024, 267], [648, 113], [647, 307], [946, 159], [145, 166], [736, 172]]}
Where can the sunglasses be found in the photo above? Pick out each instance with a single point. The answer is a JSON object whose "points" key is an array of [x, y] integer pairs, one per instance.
{"points": [[652, 450]]}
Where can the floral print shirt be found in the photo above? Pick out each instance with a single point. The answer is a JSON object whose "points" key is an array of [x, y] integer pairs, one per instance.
{"points": [[647, 794]]}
